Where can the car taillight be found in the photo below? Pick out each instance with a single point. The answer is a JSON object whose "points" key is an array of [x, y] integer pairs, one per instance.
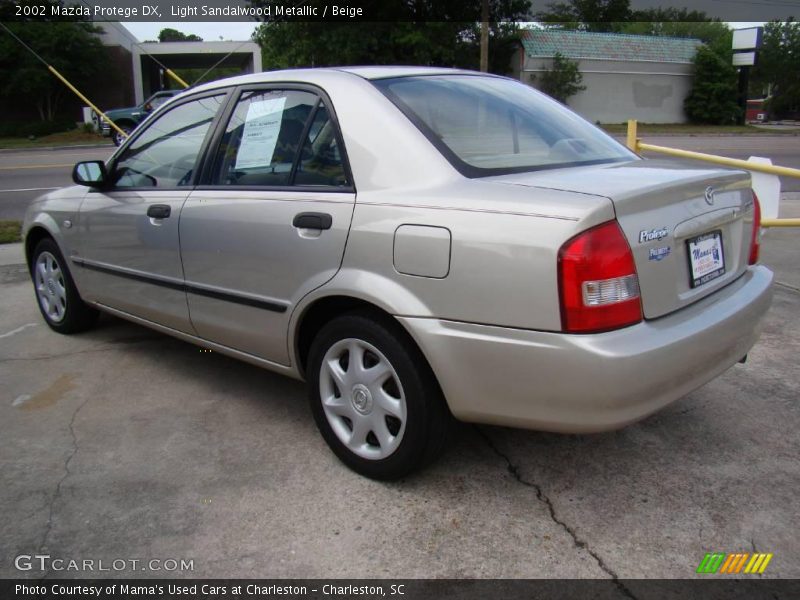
{"points": [[755, 235], [598, 285]]}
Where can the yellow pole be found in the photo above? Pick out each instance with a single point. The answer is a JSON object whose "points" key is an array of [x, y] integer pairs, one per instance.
{"points": [[780, 222], [85, 99], [722, 160], [174, 75], [632, 141]]}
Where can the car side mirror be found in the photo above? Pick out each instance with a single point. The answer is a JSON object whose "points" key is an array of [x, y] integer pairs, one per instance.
{"points": [[90, 173]]}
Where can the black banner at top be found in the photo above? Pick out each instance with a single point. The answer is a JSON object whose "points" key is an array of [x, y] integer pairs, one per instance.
{"points": [[379, 10]]}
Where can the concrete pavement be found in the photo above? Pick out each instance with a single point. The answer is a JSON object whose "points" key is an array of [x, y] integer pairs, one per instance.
{"points": [[122, 443]]}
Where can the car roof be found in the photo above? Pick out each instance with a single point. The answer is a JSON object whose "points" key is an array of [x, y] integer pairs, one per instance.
{"points": [[314, 74]]}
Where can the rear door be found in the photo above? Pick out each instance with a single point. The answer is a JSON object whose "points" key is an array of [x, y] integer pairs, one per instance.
{"points": [[270, 222], [129, 231]]}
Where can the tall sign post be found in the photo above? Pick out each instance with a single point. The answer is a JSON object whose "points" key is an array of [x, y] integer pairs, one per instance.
{"points": [[746, 43]]}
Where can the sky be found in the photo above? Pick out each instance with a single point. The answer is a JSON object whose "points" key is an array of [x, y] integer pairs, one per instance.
{"points": [[210, 32]]}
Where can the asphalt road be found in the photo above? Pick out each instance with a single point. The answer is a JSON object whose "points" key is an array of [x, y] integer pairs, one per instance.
{"points": [[24, 175], [27, 174], [124, 444]]}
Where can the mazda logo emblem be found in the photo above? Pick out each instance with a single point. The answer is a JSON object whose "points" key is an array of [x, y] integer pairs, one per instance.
{"points": [[709, 195]]}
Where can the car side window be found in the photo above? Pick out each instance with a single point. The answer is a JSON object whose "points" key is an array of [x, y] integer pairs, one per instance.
{"points": [[261, 143], [164, 155], [320, 160]]}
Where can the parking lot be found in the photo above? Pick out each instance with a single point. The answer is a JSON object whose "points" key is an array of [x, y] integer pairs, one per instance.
{"points": [[123, 443]]}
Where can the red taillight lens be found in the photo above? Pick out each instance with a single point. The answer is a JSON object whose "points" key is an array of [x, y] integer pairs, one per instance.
{"points": [[598, 285], [755, 236]]}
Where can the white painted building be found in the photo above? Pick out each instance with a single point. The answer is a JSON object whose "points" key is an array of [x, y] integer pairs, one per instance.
{"points": [[626, 76]]}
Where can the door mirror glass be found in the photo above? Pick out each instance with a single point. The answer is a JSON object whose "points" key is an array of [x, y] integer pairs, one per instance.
{"points": [[90, 173]]}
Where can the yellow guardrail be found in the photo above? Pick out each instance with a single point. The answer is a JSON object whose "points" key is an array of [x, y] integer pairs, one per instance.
{"points": [[634, 143]]}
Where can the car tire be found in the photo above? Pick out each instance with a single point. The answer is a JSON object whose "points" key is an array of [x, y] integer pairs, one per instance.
{"points": [[118, 139], [386, 417], [56, 295]]}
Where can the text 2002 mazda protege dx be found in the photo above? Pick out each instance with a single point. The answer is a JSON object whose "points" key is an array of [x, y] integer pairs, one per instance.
{"points": [[418, 244]]}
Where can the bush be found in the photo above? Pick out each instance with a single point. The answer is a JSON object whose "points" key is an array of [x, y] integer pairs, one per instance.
{"points": [[35, 128], [714, 92], [563, 80]]}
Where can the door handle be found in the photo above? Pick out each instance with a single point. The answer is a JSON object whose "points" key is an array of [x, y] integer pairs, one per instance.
{"points": [[159, 211], [313, 220]]}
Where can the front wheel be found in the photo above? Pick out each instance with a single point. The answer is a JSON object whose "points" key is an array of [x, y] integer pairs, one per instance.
{"points": [[56, 294], [117, 137], [374, 398]]}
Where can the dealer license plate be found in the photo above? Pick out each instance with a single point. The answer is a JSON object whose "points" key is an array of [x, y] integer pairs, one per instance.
{"points": [[706, 259]]}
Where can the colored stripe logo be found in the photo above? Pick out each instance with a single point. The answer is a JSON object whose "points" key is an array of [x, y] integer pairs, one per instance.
{"points": [[737, 562]]}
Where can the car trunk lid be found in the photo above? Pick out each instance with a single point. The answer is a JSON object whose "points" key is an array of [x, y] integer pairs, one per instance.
{"points": [[688, 227]]}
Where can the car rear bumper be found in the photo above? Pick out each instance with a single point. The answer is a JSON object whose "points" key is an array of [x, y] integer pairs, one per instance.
{"points": [[585, 383]]}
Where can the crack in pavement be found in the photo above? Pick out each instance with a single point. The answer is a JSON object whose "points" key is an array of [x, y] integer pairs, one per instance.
{"points": [[544, 499], [67, 473]]}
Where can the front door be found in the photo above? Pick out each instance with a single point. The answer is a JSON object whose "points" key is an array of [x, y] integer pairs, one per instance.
{"points": [[130, 247], [270, 223]]}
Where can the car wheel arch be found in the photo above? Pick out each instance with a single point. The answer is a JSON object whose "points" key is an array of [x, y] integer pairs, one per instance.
{"points": [[323, 310], [36, 234]]}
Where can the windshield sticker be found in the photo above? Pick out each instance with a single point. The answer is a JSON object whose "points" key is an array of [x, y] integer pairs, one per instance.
{"points": [[260, 135]]}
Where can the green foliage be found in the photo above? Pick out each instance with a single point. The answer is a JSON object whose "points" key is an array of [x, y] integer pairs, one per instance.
{"points": [[173, 35], [69, 47], [426, 32], [587, 15], [11, 128], [10, 231], [714, 90], [779, 67], [563, 80]]}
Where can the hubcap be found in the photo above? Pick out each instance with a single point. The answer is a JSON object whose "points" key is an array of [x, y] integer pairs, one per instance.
{"points": [[362, 398], [50, 287]]}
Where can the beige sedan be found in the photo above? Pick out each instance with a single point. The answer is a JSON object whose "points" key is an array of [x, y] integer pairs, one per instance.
{"points": [[418, 244]]}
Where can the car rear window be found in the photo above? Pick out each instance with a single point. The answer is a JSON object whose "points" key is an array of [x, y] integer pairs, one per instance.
{"points": [[491, 125]]}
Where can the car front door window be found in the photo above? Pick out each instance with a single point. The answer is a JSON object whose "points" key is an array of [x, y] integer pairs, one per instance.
{"points": [[165, 154]]}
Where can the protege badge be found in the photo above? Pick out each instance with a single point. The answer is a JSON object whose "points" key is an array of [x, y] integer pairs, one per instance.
{"points": [[652, 235]]}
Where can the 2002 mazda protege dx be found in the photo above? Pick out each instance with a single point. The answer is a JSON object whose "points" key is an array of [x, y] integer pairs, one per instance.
{"points": [[416, 243]]}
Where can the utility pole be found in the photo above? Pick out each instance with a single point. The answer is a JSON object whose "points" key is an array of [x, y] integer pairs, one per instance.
{"points": [[485, 36]]}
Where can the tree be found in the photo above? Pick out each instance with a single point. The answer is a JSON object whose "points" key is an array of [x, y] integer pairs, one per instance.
{"points": [[70, 47], [587, 15], [778, 67], [173, 35], [563, 80], [425, 32], [714, 90]]}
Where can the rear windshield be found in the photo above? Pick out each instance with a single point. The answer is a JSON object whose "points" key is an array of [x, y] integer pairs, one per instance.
{"points": [[492, 126]]}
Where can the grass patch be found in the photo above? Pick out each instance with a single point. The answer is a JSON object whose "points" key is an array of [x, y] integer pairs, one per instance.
{"points": [[10, 232], [687, 129], [65, 138]]}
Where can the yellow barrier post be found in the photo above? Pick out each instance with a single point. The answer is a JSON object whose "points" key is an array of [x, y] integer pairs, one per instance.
{"points": [[780, 222], [632, 141], [722, 160], [85, 99]]}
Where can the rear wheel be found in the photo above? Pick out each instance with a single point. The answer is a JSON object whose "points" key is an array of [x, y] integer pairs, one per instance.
{"points": [[374, 397], [56, 294]]}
